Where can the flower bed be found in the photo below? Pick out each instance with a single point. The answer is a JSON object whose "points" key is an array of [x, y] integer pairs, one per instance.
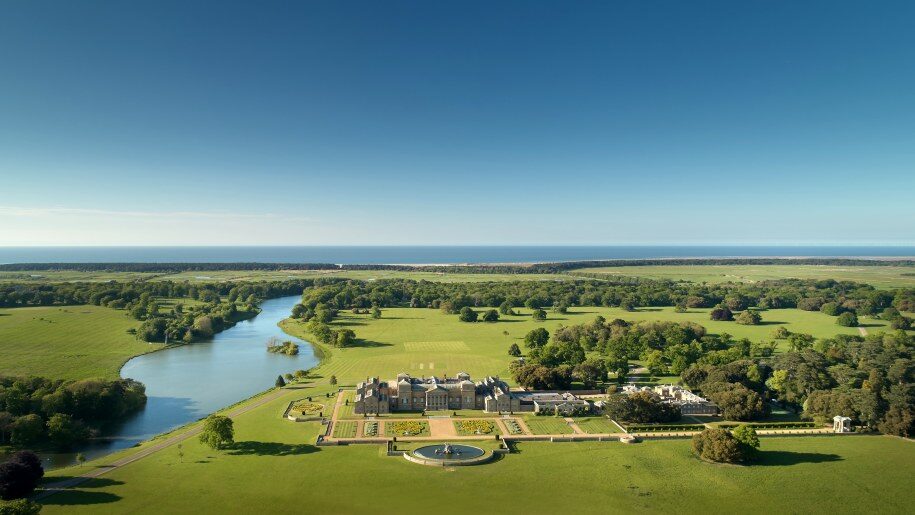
{"points": [[307, 408], [407, 428], [475, 427], [370, 429]]}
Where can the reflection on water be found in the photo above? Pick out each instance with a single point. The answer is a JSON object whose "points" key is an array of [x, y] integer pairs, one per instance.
{"points": [[189, 382]]}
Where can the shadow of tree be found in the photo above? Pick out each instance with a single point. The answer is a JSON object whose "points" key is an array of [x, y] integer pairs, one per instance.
{"points": [[787, 458], [79, 497], [97, 482], [369, 344], [248, 448]]}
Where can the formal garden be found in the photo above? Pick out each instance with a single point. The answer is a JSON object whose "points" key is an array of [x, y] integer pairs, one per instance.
{"points": [[475, 427]]}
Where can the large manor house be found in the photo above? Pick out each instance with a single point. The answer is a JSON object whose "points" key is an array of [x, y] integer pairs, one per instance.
{"points": [[491, 395], [433, 393]]}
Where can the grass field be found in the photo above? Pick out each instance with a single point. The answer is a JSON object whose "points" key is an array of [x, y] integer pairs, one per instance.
{"points": [[879, 276], [70, 342], [273, 467], [426, 341], [344, 429], [596, 425], [547, 425]]}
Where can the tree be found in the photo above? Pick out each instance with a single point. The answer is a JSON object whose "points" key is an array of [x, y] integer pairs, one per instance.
{"points": [[218, 431], [64, 431], [749, 317], [81, 458], [19, 475], [847, 319], [718, 445], [746, 436], [506, 308], [721, 313], [20, 507], [736, 401], [491, 316], [640, 407], [655, 363], [333, 380], [539, 314], [800, 341], [27, 430], [536, 338], [280, 382], [514, 350], [345, 338], [591, 372], [831, 309], [376, 312], [781, 332], [467, 314]]}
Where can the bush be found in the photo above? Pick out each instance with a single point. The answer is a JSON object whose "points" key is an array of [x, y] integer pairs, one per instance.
{"points": [[19, 475], [749, 317], [491, 316], [20, 507], [721, 313]]}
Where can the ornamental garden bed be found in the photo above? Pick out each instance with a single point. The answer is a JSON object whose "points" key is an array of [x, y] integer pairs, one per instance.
{"points": [[406, 428], [370, 429], [475, 427], [648, 428], [514, 428], [773, 425]]}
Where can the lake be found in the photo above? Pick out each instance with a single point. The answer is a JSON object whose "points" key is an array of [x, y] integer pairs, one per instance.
{"points": [[189, 382]]}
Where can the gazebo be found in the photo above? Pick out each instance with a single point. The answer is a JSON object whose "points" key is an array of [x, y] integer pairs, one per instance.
{"points": [[841, 424]]}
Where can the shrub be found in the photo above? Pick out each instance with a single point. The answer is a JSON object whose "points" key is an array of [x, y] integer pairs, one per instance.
{"points": [[749, 317], [721, 313]]}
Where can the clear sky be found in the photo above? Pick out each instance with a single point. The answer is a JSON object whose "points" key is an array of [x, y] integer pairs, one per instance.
{"points": [[378, 122]]}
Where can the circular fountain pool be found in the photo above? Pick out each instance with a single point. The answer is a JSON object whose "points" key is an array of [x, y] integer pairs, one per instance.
{"points": [[449, 452]]}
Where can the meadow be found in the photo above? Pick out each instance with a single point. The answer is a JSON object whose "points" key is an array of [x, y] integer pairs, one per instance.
{"points": [[67, 342], [274, 467], [879, 276], [426, 341]]}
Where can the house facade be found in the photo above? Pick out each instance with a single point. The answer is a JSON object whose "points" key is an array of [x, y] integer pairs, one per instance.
{"points": [[407, 393]]}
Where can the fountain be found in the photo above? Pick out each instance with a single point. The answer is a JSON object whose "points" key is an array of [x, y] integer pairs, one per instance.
{"points": [[449, 452]]}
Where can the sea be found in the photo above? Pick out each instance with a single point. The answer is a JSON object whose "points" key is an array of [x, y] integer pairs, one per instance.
{"points": [[424, 254]]}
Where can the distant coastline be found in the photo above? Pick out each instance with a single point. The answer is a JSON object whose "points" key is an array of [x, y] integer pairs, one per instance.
{"points": [[436, 255]]}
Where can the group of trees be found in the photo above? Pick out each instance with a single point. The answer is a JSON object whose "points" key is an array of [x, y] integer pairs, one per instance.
{"points": [[640, 408], [338, 293], [37, 411], [128, 295]]}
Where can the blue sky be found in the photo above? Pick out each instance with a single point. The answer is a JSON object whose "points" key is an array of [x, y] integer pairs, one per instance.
{"points": [[525, 122]]}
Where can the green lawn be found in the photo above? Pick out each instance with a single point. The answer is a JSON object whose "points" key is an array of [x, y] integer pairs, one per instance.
{"points": [[69, 342], [596, 425], [274, 467], [879, 276], [344, 429], [547, 425], [426, 341]]}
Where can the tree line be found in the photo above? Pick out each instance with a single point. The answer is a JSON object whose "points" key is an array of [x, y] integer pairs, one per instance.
{"points": [[508, 268], [36, 411]]}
